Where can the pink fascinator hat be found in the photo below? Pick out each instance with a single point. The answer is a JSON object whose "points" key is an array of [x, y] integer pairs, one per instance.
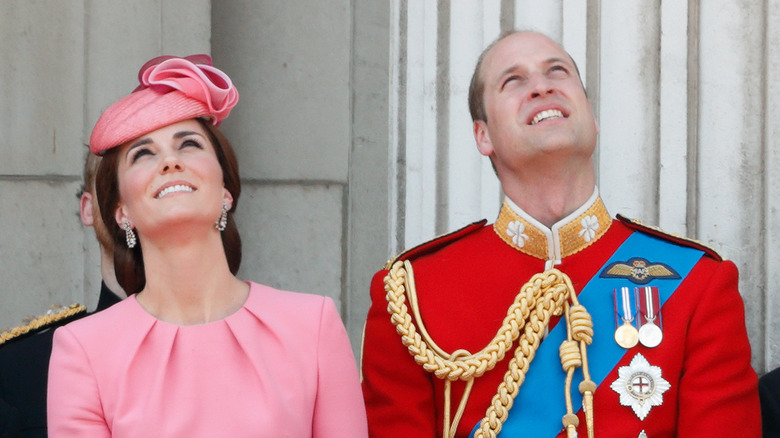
{"points": [[172, 89]]}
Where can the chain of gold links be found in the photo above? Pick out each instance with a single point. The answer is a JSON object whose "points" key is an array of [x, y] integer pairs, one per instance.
{"points": [[544, 295]]}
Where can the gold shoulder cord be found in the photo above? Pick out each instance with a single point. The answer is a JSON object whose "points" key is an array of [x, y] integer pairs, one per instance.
{"points": [[41, 321], [545, 294]]}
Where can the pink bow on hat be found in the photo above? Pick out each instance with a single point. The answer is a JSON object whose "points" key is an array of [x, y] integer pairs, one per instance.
{"points": [[195, 77], [172, 89]]}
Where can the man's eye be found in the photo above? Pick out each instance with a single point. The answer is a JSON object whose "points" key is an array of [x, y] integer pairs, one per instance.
{"points": [[558, 71], [511, 79]]}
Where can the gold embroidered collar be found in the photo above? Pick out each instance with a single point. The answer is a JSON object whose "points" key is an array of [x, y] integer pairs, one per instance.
{"points": [[570, 235]]}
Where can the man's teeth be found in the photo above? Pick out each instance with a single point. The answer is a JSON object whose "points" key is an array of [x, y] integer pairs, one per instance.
{"points": [[172, 189], [548, 114]]}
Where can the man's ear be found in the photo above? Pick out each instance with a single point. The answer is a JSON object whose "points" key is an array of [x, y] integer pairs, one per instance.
{"points": [[85, 207], [481, 135]]}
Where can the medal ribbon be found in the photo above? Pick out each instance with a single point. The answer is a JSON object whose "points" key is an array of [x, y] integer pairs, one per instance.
{"points": [[649, 301], [537, 416], [624, 306]]}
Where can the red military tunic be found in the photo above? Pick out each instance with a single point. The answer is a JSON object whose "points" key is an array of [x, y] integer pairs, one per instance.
{"points": [[467, 280]]}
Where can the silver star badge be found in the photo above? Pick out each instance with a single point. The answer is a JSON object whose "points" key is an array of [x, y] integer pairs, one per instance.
{"points": [[640, 386]]}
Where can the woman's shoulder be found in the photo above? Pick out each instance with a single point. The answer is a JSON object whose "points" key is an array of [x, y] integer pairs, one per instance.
{"points": [[106, 324], [271, 295], [268, 302], [304, 319]]}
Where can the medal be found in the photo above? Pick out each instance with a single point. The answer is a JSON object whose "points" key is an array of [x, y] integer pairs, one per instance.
{"points": [[650, 334], [640, 386], [626, 334]]}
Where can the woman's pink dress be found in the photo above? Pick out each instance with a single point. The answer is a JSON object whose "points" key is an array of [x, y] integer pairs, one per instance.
{"points": [[281, 366]]}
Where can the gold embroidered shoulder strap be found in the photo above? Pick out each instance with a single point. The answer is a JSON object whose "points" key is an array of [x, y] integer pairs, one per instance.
{"points": [[544, 295], [676, 238], [436, 243], [42, 322]]}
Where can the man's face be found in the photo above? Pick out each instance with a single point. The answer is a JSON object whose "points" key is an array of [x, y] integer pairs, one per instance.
{"points": [[535, 104]]}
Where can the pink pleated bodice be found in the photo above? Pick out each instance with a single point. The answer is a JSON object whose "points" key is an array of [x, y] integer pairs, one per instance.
{"points": [[281, 366]]}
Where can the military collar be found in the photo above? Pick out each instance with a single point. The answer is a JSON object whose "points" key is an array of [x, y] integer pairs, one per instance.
{"points": [[570, 235], [107, 298]]}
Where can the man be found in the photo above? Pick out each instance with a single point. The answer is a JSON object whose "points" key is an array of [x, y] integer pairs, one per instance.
{"points": [[25, 351], [650, 327], [769, 394]]}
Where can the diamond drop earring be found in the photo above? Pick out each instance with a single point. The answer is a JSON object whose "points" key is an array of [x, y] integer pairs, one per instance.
{"points": [[129, 234], [222, 221]]}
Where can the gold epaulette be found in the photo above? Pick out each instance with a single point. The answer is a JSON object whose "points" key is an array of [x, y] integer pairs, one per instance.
{"points": [[41, 322], [436, 243], [676, 238]]}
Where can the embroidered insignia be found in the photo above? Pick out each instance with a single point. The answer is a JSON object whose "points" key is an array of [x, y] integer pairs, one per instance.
{"points": [[516, 230], [590, 224], [640, 386], [642, 434], [639, 271]]}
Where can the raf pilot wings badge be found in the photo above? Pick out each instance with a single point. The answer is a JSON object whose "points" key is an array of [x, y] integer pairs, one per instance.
{"points": [[639, 271]]}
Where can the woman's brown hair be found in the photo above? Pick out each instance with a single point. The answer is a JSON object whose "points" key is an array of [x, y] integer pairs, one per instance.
{"points": [[129, 262]]}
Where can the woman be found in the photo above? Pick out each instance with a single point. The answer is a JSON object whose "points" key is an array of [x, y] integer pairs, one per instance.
{"points": [[194, 351]]}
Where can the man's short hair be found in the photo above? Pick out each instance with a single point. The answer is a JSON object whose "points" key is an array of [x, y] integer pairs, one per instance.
{"points": [[477, 85], [91, 162]]}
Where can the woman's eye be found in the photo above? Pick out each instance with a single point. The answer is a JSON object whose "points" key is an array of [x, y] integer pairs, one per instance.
{"points": [[191, 143], [139, 153]]}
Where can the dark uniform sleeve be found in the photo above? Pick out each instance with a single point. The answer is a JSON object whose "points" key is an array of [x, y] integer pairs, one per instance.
{"points": [[718, 386], [24, 364], [769, 393], [9, 420], [397, 391]]}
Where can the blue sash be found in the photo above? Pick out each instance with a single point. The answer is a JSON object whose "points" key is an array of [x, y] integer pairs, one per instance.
{"points": [[540, 404]]}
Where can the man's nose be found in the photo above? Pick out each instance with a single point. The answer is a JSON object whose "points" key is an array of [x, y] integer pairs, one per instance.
{"points": [[539, 85]]}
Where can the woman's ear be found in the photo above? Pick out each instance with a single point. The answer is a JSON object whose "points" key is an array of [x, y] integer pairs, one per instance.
{"points": [[227, 198], [121, 216]]}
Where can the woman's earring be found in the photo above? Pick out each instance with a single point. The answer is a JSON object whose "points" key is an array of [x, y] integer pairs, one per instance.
{"points": [[129, 234], [222, 221]]}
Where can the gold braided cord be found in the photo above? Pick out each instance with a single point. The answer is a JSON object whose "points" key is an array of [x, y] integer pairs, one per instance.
{"points": [[543, 296], [553, 288], [41, 321], [581, 326], [427, 353]]}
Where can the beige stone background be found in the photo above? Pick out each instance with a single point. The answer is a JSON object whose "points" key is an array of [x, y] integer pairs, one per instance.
{"points": [[313, 83], [353, 135]]}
